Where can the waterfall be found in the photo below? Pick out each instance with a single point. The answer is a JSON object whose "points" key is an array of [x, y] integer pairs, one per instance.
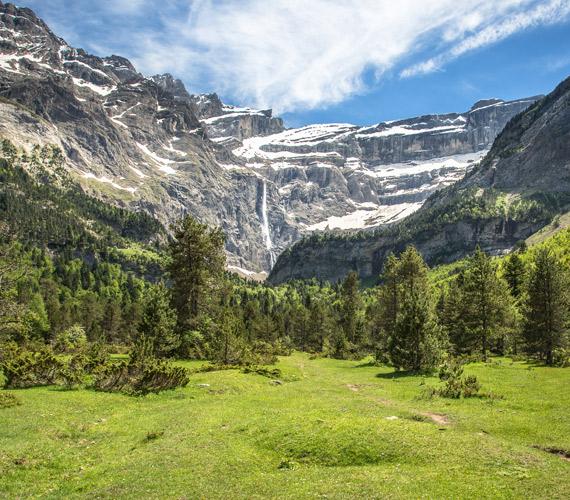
{"points": [[265, 225]]}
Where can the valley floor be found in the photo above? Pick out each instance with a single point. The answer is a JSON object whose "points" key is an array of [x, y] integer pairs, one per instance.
{"points": [[333, 429]]}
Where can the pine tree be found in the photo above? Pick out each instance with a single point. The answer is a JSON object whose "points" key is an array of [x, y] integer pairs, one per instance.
{"points": [[415, 343], [487, 300], [388, 302], [11, 273], [226, 344], [547, 313], [515, 274], [453, 315], [158, 322], [197, 266], [350, 308]]}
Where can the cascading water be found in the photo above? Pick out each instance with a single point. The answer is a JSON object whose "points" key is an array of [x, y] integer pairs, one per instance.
{"points": [[265, 225]]}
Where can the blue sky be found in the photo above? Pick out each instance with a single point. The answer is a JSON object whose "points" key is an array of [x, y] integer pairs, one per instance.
{"points": [[358, 61]]}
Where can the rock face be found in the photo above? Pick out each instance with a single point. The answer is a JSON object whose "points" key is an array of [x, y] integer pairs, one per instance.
{"points": [[148, 144], [522, 182]]}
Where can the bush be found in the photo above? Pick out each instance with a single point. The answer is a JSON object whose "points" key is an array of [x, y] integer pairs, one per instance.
{"points": [[456, 385], [139, 379], [561, 357], [23, 368], [471, 386], [214, 368], [273, 373], [72, 374], [7, 400], [141, 375], [96, 355], [71, 339]]}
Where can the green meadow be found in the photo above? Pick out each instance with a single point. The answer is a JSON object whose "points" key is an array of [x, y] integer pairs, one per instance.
{"points": [[325, 429]]}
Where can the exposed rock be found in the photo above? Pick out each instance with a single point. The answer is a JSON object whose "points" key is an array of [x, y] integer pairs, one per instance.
{"points": [[517, 189], [148, 144]]}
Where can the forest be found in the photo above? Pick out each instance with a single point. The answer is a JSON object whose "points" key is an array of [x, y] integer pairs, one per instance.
{"points": [[94, 281]]}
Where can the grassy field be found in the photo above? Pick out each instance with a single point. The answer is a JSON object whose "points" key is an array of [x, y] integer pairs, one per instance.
{"points": [[332, 429]]}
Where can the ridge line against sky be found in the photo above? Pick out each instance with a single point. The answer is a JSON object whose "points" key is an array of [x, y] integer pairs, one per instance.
{"points": [[332, 60]]}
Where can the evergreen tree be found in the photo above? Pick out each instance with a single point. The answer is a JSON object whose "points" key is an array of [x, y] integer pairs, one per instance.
{"points": [[453, 316], [486, 299], [388, 302], [158, 322], [226, 344], [10, 275], [350, 308], [547, 309], [197, 267], [515, 274], [415, 343]]}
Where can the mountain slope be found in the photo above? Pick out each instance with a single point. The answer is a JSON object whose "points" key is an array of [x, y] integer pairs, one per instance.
{"points": [[148, 144], [518, 188]]}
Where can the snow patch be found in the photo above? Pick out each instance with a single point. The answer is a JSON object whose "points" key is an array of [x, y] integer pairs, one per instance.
{"points": [[163, 163], [98, 89], [107, 180], [361, 219]]}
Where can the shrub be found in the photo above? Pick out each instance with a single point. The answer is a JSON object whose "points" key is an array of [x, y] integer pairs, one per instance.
{"points": [[23, 368], [71, 339], [471, 386], [140, 379], [7, 400], [456, 385], [261, 370], [96, 355], [72, 374], [141, 375], [561, 357], [214, 368]]}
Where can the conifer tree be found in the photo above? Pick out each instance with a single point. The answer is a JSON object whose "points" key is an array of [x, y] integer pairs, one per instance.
{"points": [[453, 316], [350, 308], [197, 264], [158, 322], [547, 313], [388, 300], [515, 274], [415, 343], [486, 299]]}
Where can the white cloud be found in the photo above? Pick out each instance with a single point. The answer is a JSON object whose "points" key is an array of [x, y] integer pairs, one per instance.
{"points": [[547, 13], [293, 54], [296, 54]]}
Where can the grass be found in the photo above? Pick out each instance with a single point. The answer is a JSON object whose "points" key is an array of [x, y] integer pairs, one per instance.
{"points": [[327, 431]]}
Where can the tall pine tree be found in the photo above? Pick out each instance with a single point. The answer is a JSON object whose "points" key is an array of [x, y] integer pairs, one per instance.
{"points": [[158, 322], [197, 264], [547, 309], [486, 299], [415, 341]]}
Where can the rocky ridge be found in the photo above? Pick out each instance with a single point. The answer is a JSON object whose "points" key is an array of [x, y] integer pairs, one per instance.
{"points": [[149, 144], [520, 185]]}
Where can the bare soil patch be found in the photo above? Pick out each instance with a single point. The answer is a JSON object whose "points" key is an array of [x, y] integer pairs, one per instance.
{"points": [[438, 418]]}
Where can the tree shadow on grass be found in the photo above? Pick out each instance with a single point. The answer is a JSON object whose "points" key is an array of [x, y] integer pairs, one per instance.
{"points": [[397, 374], [368, 364]]}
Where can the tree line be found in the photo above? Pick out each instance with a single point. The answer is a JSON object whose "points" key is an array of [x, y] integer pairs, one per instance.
{"points": [[63, 277], [517, 306]]}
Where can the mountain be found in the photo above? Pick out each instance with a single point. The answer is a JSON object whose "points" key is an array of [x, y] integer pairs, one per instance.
{"points": [[147, 144], [518, 188]]}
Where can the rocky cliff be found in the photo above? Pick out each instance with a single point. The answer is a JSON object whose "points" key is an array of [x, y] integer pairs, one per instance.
{"points": [[149, 144], [520, 185]]}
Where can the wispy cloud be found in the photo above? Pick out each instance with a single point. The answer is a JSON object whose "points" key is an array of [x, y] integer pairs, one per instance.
{"points": [[298, 54], [494, 31]]}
